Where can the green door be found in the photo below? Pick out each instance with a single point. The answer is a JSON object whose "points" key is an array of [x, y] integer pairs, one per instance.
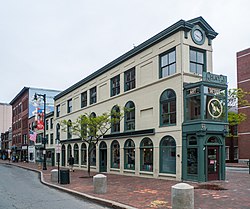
{"points": [[103, 157]]}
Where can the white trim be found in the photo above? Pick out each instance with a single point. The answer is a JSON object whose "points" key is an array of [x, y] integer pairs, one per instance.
{"points": [[243, 107], [243, 81], [244, 133], [243, 55]]}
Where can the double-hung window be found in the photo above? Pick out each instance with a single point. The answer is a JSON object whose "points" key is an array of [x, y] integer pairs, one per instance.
{"points": [[167, 63], [115, 85], [69, 105], [92, 95], [84, 99], [129, 79], [197, 61], [58, 111]]}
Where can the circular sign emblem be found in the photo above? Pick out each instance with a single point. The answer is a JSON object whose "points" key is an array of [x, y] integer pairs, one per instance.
{"points": [[215, 108]]}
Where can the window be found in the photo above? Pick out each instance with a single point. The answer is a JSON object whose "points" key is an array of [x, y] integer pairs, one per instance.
{"points": [[83, 154], [46, 139], [84, 100], [227, 153], [197, 61], [69, 150], [69, 105], [51, 123], [115, 85], [146, 153], [168, 155], [168, 108], [63, 155], [236, 153], [115, 119], [76, 154], [129, 79], [167, 63], [92, 148], [129, 154], [47, 124], [92, 95], [129, 117], [52, 138], [192, 156], [58, 131], [58, 111], [69, 129], [115, 154]]}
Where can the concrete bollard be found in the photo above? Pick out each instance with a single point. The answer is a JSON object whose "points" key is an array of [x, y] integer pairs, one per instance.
{"points": [[182, 196], [100, 184], [54, 175]]}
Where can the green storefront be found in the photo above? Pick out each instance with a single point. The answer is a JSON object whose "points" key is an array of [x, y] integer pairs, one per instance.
{"points": [[204, 129]]}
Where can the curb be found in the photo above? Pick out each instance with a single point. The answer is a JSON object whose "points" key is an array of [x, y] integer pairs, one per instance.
{"points": [[101, 201]]}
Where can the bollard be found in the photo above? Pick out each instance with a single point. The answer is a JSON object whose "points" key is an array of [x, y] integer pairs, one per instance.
{"points": [[182, 196], [54, 175], [100, 184]]}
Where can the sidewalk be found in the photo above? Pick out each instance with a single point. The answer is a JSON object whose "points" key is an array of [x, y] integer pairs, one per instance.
{"points": [[137, 192]]}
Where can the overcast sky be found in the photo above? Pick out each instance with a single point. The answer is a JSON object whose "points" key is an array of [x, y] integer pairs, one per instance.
{"points": [[53, 44]]}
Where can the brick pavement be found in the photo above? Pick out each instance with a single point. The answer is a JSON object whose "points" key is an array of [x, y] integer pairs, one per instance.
{"points": [[145, 193]]}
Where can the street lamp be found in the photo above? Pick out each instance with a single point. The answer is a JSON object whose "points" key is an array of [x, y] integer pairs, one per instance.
{"points": [[44, 130]]}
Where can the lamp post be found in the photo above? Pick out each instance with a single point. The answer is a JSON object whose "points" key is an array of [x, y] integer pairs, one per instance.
{"points": [[44, 130]]}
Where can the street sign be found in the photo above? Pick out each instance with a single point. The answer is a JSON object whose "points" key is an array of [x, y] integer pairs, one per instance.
{"points": [[58, 148]]}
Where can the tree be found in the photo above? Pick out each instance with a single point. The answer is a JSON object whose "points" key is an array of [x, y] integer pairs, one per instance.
{"points": [[91, 128], [236, 98]]}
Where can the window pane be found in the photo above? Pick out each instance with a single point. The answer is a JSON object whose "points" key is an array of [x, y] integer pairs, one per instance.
{"points": [[171, 57], [199, 69], [193, 67], [147, 159], [200, 57], [164, 60], [172, 69], [192, 161], [115, 150], [192, 56]]}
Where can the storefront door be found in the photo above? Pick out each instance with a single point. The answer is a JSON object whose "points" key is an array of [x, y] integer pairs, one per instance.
{"points": [[213, 163], [103, 157]]}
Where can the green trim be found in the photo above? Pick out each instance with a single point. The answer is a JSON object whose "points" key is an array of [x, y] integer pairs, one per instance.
{"points": [[181, 25]]}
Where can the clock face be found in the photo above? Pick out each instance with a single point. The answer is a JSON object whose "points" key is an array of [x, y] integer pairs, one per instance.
{"points": [[198, 35]]}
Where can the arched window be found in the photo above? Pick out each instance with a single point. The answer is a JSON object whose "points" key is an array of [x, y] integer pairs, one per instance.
{"points": [[92, 128], [83, 154], [69, 129], [168, 108], [63, 155], [92, 147], [129, 118], [115, 119], [76, 154], [129, 154], [83, 126], [69, 151], [115, 154], [168, 155], [58, 131], [146, 153]]}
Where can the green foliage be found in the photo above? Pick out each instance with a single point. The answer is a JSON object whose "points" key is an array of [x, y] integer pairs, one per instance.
{"points": [[236, 118]]}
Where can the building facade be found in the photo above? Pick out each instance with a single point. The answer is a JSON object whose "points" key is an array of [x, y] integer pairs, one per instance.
{"points": [[23, 107], [173, 131], [243, 81]]}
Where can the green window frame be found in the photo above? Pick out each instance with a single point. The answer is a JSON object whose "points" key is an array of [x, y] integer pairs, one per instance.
{"points": [[197, 61], [83, 154], [92, 95], [129, 117], [115, 85], [129, 154], [129, 79], [76, 154], [84, 99], [168, 155], [69, 150], [115, 119], [147, 155], [192, 156], [115, 154], [168, 108], [167, 63]]}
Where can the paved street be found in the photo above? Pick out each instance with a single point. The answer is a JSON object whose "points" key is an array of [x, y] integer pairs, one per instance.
{"points": [[21, 189], [235, 169], [148, 193]]}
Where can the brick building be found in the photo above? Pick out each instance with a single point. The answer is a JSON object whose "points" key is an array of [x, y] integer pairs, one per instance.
{"points": [[243, 81]]}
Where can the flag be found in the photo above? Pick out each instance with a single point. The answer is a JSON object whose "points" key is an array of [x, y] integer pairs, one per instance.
{"points": [[33, 135]]}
